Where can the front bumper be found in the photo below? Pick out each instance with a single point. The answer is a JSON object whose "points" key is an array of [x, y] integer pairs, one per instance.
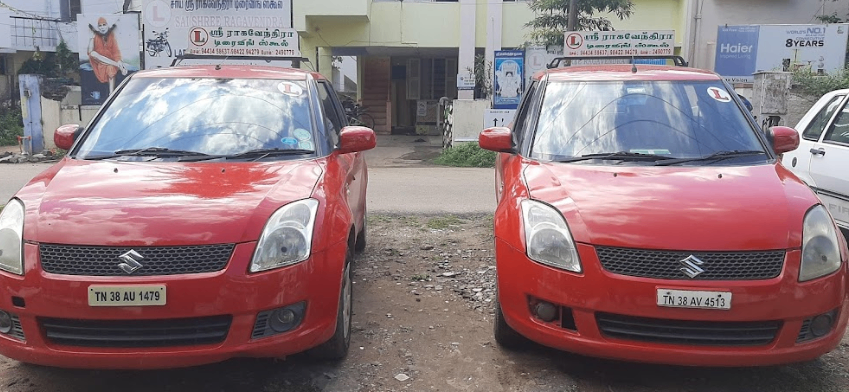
{"points": [[231, 292], [596, 294]]}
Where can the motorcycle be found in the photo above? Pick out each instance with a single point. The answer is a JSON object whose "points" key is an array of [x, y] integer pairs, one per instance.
{"points": [[158, 44]]}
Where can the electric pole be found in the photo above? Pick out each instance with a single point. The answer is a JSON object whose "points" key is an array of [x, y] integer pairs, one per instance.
{"points": [[572, 22]]}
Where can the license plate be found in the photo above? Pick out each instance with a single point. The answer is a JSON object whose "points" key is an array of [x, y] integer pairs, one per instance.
{"points": [[694, 299], [141, 295]]}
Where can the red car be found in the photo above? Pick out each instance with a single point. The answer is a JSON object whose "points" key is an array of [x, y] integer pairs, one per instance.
{"points": [[643, 216], [206, 213]]}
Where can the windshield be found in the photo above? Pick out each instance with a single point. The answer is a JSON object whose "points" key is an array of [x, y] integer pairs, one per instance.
{"points": [[216, 117], [686, 119]]}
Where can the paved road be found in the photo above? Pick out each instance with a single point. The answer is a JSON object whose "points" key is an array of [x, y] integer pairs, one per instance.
{"points": [[431, 190], [413, 189], [14, 176]]}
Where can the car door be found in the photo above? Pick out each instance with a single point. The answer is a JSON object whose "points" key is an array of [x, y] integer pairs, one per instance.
{"points": [[812, 127], [829, 163], [525, 115], [353, 164]]}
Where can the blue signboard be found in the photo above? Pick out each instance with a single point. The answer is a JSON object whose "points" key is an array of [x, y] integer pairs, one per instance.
{"points": [[509, 79], [736, 52]]}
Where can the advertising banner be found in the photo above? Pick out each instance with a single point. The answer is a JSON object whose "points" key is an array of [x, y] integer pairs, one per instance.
{"points": [[619, 43], [744, 50], [109, 52], [217, 27], [508, 83]]}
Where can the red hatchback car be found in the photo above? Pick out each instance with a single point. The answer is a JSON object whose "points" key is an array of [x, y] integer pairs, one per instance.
{"points": [[205, 213], [643, 216]]}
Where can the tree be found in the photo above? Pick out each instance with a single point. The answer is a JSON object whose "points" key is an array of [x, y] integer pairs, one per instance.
{"points": [[553, 17]]}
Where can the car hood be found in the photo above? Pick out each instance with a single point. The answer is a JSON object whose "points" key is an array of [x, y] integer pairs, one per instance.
{"points": [[141, 204], [683, 208]]}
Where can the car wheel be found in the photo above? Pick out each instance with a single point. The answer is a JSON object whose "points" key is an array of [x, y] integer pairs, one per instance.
{"points": [[505, 335], [360, 244], [337, 347]]}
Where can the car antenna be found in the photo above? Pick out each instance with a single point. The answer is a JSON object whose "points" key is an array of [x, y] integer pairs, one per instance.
{"points": [[633, 65]]}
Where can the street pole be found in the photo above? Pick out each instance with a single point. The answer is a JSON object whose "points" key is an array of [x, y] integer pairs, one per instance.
{"points": [[572, 22]]}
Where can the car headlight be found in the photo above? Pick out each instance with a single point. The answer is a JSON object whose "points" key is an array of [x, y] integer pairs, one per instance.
{"points": [[287, 236], [11, 237], [547, 237], [820, 252]]}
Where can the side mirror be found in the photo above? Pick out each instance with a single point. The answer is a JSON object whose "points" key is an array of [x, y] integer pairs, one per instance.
{"points": [[784, 139], [354, 138], [498, 139], [65, 135]]}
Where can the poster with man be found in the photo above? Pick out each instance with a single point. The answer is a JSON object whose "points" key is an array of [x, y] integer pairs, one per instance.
{"points": [[509, 79], [109, 52]]}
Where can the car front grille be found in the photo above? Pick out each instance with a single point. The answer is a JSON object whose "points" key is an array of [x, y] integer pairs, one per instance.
{"points": [[104, 261], [136, 333], [665, 264], [704, 333]]}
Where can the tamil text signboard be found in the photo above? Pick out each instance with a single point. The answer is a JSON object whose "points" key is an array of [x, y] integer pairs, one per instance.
{"points": [[619, 43], [217, 27]]}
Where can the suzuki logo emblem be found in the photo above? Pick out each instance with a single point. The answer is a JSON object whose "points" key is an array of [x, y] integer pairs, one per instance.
{"points": [[130, 261], [691, 266]]}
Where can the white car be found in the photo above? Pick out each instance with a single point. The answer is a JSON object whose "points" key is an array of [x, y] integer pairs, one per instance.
{"points": [[822, 159]]}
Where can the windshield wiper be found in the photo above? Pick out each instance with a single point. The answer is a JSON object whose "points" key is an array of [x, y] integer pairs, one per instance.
{"points": [[717, 156], [150, 151], [258, 154], [621, 155]]}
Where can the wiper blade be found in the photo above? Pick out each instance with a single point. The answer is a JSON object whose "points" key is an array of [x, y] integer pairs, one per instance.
{"points": [[158, 151], [267, 152], [717, 156], [620, 155]]}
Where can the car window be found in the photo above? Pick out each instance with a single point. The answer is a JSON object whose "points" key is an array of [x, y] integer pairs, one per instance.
{"points": [[521, 118], [205, 115], [820, 121], [333, 119], [679, 119], [839, 130]]}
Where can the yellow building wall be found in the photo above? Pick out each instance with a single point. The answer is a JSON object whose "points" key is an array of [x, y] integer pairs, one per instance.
{"points": [[437, 25]]}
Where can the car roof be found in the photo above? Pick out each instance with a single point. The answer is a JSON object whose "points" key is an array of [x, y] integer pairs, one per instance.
{"points": [[610, 72], [229, 71]]}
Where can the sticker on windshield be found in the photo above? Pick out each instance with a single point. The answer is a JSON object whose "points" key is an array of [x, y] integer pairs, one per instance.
{"points": [[290, 88], [290, 141], [719, 94], [306, 145], [302, 134]]}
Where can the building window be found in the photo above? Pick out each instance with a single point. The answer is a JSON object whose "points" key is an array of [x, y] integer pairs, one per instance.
{"points": [[70, 9]]}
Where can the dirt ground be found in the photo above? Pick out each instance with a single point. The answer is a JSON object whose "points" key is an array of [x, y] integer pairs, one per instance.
{"points": [[423, 322]]}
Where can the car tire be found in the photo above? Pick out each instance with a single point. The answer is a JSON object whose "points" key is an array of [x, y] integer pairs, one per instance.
{"points": [[360, 244], [337, 347], [505, 335]]}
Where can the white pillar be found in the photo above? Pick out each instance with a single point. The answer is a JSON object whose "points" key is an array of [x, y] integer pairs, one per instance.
{"points": [[494, 11], [466, 54]]}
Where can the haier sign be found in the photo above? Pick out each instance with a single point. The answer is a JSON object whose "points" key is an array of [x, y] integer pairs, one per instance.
{"points": [[744, 50]]}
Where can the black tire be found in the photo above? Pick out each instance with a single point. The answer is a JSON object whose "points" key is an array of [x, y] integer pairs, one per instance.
{"points": [[505, 335], [337, 347], [360, 244], [367, 120], [168, 48]]}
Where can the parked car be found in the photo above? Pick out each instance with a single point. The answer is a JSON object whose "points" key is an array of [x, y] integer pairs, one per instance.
{"points": [[643, 216], [822, 159], [205, 213]]}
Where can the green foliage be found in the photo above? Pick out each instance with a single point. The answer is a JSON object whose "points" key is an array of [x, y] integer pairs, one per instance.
{"points": [[483, 77], [61, 64], [466, 155], [816, 85], [552, 17], [11, 126]]}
